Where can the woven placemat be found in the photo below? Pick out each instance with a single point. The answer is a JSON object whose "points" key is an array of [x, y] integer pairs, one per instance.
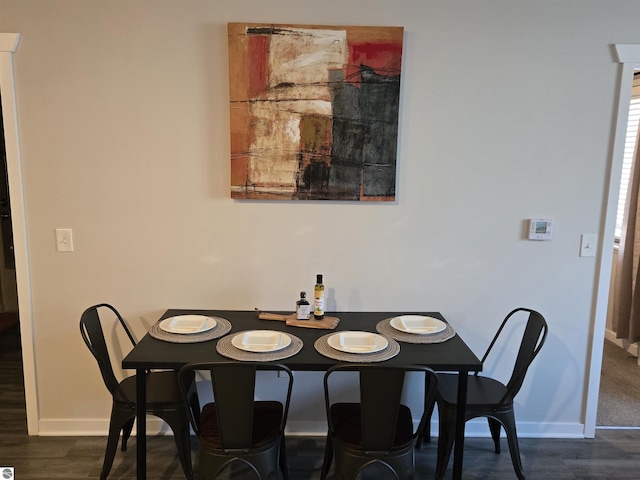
{"points": [[223, 326], [225, 348], [323, 347], [384, 328]]}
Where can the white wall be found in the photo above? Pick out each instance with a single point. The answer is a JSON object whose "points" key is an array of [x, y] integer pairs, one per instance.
{"points": [[507, 111]]}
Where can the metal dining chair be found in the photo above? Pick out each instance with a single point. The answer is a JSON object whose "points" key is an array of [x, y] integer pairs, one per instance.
{"points": [[237, 429], [487, 397], [163, 394], [377, 430]]}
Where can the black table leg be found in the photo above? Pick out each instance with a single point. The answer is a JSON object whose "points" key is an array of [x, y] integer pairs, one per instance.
{"points": [[460, 417], [141, 424]]}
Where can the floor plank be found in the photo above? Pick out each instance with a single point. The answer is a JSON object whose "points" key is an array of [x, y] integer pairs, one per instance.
{"points": [[613, 454]]}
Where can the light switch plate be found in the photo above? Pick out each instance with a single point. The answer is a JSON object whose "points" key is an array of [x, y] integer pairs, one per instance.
{"points": [[588, 244], [64, 240]]}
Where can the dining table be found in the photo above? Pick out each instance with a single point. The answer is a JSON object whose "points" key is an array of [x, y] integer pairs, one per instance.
{"points": [[155, 352]]}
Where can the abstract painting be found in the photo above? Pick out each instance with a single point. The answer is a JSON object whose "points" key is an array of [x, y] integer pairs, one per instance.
{"points": [[314, 111]]}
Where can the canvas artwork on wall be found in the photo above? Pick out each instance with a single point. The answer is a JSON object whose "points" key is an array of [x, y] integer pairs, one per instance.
{"points": [[314, 111]]}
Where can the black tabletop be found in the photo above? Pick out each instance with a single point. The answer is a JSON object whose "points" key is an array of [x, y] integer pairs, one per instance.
{"points": [[451, 355]]}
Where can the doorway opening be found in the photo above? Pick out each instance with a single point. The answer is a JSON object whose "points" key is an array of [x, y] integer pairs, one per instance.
{"points": [[8, 288], [619, 399], [10, 340]]}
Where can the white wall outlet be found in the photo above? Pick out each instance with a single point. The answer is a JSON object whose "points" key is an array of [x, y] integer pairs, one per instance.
{"points": [[64, 240], [588, 244]]}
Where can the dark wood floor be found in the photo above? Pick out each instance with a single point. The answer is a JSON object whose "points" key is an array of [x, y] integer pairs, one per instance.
{"points": [[613, 454]]}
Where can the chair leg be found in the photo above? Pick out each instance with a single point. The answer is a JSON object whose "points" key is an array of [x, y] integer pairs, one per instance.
{"points": [[185, 453], [117, 423], [494, 427], [509, 423], [177, 421], [126, 433], [283, 460], [425, 435], [328, 457], [446, 436], [194, 403]]}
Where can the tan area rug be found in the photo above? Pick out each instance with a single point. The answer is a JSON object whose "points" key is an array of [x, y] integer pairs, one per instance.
{"points": [[619, 401]]}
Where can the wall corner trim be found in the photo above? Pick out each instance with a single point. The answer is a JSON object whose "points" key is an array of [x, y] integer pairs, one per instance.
{"points": [[9, 42], [628, 53]]}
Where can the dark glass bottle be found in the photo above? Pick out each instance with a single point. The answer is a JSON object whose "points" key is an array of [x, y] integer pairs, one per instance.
{"points": [[303, 309]]}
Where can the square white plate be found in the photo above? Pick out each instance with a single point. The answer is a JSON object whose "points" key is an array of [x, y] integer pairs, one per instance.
{"points": [[418, 324], [187, 324], [357, 342], [261, 341]]}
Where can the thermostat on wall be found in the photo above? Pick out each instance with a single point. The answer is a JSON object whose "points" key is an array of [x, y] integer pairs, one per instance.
{"points": [[540, 229]]}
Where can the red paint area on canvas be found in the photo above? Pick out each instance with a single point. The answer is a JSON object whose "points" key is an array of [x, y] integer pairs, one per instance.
{"points": [[258, 68], [384, 58]]}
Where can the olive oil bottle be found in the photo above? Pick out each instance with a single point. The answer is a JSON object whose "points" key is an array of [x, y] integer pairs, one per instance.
{"points": [[318, 298]]}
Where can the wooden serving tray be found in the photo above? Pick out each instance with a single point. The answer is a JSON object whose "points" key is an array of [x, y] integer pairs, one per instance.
{"points": [[327, 322]]}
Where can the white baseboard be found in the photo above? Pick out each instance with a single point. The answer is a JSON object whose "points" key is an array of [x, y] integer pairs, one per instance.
{"points": [[480, 428], [91, 428], [630, 348], [473, 428]]}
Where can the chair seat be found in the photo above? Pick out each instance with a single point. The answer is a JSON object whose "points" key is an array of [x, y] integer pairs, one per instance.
{"points": [[267, 416], [347, 423], [482, 392], [162, 388]]}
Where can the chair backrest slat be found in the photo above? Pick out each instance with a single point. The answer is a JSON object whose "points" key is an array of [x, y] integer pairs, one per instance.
{"points": [[380, 394], [534, 336], [93, 336], [234, 390]]}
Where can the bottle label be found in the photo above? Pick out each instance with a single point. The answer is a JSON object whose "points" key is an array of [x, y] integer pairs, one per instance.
{"points": [[318, 303], [303, 312]]}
